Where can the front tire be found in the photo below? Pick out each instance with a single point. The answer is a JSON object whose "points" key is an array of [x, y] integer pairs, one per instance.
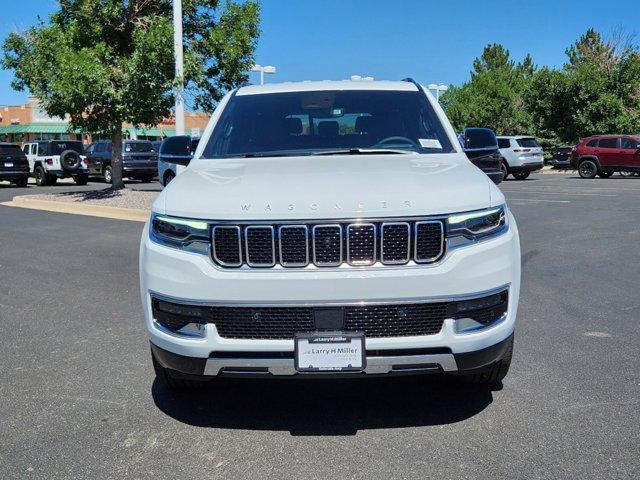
{"points": [[521, 175], [168, 177], [41, 177], [22, 182], [505, 170], [108, 174], [588, 169], [81, 179]]}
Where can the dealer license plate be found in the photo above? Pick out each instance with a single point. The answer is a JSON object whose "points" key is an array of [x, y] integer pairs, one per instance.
{"points": [[330, 352]]}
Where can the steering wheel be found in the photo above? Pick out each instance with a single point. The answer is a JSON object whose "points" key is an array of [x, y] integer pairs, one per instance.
{"points": [[395, 140]]}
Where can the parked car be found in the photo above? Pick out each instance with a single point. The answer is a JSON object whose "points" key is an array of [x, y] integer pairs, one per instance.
{"points": [[562, 157], [139, 160], [329, 228], [522, 155], [53, 159], [167, 170], [487, 158], [14, 166], [603, 155]]}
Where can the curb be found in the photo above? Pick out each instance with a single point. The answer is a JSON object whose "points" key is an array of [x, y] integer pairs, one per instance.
{"points": [[117, 213]]}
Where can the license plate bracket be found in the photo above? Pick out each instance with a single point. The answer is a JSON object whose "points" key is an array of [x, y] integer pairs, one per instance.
{"points": [[329, 352]]}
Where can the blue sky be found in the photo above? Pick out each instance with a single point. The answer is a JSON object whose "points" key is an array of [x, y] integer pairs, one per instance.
{"points": [[432, 41]]}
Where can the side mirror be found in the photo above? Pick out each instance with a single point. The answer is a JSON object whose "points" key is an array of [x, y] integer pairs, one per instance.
{"points": [[479, 139], [176, 150]]}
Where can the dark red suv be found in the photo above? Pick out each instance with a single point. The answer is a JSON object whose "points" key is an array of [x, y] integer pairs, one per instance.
{"points": [[603, 155]]}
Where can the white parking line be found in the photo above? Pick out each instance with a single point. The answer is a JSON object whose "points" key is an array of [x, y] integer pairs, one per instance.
{"points": [[563, 193], [536, 200]]}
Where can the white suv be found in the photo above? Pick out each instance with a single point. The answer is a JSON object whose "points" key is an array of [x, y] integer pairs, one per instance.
{"points": [[53, 159], [522, 156], [329, 228]]}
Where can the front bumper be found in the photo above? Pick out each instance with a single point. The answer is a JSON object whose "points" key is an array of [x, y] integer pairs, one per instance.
{"points": [[193, 278]]}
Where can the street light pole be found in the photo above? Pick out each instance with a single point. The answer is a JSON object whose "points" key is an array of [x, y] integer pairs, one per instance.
{"points": [[263, 70], [178, 54], [438, 87]]}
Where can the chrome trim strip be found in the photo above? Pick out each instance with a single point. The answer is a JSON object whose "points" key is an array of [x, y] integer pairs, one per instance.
{"points": [[285, 366], [213, 245], [415, 243], [395, 262], [361, 263], [313, 232], [396, 301], [273, 245], [306, 238]]}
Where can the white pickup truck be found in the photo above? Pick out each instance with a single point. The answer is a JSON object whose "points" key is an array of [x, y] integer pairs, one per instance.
{"points": [[329, 229], [53, 159]]}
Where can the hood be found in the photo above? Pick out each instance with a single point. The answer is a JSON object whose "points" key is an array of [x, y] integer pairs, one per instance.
{"points": [[326, 187]]}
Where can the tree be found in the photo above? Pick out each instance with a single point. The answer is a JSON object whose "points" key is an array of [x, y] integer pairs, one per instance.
{"points": [[493, 97], [105, 62], [596, 92]]}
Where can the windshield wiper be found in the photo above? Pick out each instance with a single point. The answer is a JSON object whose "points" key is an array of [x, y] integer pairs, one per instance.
{"points": [[364, 151]]}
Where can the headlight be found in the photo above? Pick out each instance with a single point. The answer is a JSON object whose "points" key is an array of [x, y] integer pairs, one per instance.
{"points": [[465, 227], [180, 233]]}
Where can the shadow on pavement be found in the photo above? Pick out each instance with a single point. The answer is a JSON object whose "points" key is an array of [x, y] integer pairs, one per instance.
{"points": [[324, 407]]}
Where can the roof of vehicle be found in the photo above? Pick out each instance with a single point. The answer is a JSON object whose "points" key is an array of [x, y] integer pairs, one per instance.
{"points": [[311, 86], [516, 137]]}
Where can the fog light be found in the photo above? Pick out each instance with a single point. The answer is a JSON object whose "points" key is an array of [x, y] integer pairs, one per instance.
{"points": [[182, 310], [465, 325]]}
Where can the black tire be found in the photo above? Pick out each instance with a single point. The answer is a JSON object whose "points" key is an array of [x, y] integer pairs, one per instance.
{"points": [[81, 179], [107, 172], [495, 373], [170, 382], [521, 175], [70, 161], [588, 169], [505, 170], [605, 174], [168, 176], [41, 176], [22, 182]]}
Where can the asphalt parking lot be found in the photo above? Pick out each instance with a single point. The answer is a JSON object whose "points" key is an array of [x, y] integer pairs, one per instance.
{"points": [[79, 400]]}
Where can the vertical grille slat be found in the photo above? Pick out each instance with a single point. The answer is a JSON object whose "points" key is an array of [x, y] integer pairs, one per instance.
{"points": [[260, 246], [361, 244], [294, 245], [227, 249], [429, 241], [396, 243], [327, 245], [358, 243]]}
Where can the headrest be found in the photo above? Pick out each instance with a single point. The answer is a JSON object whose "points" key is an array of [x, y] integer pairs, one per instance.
{"points": [[363, 124], [293, 126], [328, 129]]}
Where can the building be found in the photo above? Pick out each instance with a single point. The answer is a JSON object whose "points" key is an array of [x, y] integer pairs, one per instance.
{"points": [[28, 122]]}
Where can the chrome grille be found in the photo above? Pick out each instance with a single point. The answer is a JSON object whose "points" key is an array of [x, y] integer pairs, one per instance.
{"points": [[260, 246], [396, 242], [294, 245], [429, 241], [227, 249], [327, 245], [361, 244]]}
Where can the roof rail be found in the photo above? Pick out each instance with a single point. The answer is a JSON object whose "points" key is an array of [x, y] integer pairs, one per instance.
{"points": [[411, 80]]}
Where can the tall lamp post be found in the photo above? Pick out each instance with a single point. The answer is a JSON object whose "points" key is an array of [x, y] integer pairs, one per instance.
{"points": [[438, 87], [178, 54], [263, 70]]}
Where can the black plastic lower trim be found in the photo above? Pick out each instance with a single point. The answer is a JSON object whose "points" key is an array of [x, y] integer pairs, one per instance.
{"points": [[527, 167], [484, 357], [179, 363]]}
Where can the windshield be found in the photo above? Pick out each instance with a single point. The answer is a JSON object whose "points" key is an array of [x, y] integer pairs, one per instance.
{"points": [[527, 142], [58, 147], [305, 123], [138, 147]]}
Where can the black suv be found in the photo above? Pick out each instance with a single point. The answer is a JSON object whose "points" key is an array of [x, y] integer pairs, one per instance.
{"points": [[139, 160], [14, 165]]}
